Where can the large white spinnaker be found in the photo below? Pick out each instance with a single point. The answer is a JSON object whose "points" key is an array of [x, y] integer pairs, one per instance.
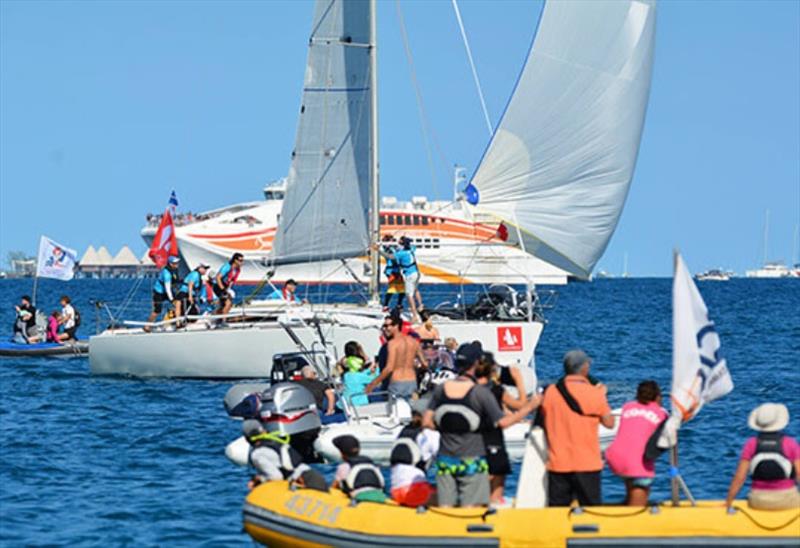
{"points": [[561, 161], [326, 209]]}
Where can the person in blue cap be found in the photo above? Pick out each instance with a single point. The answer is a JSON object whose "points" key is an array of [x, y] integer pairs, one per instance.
{"points": [[164, 289]]}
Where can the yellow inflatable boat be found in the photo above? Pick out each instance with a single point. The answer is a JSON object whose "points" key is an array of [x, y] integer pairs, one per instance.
{"points": [[278, 516]]}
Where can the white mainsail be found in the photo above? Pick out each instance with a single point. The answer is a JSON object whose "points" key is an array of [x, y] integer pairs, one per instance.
{"points": [[561, 161], [326, 210]]}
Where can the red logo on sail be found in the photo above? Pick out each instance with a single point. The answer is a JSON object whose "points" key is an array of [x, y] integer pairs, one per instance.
{"points": [[509, 339], [164, 244]]}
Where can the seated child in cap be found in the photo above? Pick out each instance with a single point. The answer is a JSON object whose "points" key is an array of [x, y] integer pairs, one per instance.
{"points": [[411, 453], [357, 476]]}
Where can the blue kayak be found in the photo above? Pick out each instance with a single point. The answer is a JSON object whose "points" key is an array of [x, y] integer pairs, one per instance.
{"points": [[75, 348]]}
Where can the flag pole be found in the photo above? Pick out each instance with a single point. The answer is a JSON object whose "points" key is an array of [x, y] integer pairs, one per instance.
{"points": [[35, 285]]}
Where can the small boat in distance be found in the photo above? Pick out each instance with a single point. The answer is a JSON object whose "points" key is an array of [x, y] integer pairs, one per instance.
{"points": [[774, 269], [713, 275]]}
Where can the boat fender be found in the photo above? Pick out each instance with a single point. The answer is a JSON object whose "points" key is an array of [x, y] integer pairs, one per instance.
{"points": [[238, 451], [456, 418], [769, 463], [364, 475]]}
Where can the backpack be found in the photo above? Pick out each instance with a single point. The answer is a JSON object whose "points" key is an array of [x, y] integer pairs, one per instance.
{"points": [[77, 317]]}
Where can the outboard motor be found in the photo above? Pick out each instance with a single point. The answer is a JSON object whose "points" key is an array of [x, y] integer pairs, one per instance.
{"points": [[290, 408], [244, 400]]}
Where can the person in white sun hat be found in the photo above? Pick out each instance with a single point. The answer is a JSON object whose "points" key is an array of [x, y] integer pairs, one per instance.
{"points": [[771, 459]]}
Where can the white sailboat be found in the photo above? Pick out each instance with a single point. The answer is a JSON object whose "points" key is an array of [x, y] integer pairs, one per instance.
{"points": [[556, 172], [770, 269]]}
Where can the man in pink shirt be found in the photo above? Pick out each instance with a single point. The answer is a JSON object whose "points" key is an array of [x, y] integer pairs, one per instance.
{"points": [[639, 420], [771, 459]]}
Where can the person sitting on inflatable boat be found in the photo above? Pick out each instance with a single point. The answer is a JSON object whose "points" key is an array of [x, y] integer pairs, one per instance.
{"points": [[357, 476], [25, 330], [771, 459], [412, 451], [274, 459], [357, 373], [458, 409]]}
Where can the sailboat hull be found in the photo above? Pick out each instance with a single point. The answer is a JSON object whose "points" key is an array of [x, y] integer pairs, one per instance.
{"points": [[245, 352]]}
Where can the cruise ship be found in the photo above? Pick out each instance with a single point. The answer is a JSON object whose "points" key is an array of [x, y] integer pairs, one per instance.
{"points": [[455, 243]]}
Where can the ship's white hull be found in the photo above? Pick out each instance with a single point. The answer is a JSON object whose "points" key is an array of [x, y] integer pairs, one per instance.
{"points": [[769, 273], [245, 351], [454, 245]]}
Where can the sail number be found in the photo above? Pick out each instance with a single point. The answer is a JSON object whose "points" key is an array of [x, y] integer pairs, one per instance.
{"points": [[309, 507]]}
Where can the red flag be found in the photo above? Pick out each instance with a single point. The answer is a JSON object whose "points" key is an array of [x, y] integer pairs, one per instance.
{"points": [[502, 232], [164, 244]]}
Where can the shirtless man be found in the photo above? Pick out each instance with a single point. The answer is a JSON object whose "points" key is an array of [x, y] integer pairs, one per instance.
{"points": [[402, 350]]}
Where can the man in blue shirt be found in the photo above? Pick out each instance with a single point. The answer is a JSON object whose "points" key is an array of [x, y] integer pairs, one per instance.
{"points": [[166, 280], [190, 293], [406, 259], [223, 283]]}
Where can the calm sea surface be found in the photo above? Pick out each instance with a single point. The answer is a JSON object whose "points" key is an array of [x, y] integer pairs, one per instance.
{"points": [[107, 461]]}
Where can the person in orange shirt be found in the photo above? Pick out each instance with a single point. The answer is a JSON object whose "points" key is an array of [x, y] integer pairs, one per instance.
{"points": [[572, 409]]}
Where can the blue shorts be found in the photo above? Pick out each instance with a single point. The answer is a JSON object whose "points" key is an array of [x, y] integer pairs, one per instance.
{"points": [[644, 483], [403, 389]]}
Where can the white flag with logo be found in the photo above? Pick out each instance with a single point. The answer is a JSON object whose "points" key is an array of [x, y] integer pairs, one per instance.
{"points": [[55, 260], [699, 373]]}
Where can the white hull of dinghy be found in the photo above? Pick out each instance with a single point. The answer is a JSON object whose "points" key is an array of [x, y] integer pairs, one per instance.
{"points": [[377, 439], [244, 351]]}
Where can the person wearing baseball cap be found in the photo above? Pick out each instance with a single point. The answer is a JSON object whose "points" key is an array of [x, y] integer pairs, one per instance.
{"points": [[771, 459], [459, 409], [572, 409], [191, 289], [357, 476], [164, 289]]}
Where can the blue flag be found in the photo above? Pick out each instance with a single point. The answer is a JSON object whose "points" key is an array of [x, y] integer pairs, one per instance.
{"points": [[471, 194], [173, 200]]}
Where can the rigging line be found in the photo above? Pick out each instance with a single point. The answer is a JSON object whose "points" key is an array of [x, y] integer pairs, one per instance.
{"points": [[423, 119], [472, 66]]}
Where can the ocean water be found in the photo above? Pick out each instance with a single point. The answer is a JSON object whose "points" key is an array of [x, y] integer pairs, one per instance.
{"points": [[111, 461]]}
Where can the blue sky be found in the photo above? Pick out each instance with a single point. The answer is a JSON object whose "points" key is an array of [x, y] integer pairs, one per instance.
{"points": [[107, 106]]}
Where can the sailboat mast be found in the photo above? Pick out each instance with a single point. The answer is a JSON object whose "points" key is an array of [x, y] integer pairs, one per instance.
{"points": [[766, 237], [374, 210]]}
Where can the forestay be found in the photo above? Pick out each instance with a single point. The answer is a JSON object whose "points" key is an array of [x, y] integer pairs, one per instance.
{"points": [[325, 212], [560, 163]]}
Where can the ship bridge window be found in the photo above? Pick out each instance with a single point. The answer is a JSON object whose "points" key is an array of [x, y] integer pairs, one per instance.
{"points": [[425, 220], [383, 219], [416, 220], [274, 195], [398, 219], [407, 220]]}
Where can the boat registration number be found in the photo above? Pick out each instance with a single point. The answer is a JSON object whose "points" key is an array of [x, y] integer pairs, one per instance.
{"points": [[309, 507]]}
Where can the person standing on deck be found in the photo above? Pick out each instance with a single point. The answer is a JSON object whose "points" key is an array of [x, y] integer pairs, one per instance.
{"points": [[407, 260], [394, 278], [192, 287], [401, 353], [572, 409], [166, 280], [223, 283]]}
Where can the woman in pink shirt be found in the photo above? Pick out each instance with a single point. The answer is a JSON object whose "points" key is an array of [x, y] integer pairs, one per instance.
{"points": [[52, 328], [626, 454], [771, 459]]}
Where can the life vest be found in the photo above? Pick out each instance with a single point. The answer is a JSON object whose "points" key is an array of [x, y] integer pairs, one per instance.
{"points": [[289, 458], [354, 364], [289, 297], [769, 463], [455, 416], [405, 449], [392, 268], [159, 288], [230, 277], [363, 476]]}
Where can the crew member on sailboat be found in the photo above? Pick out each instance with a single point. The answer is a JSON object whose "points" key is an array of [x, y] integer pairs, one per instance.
{"points": [[406, 259], [192, 287], [223, 283], [162, 289]]}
